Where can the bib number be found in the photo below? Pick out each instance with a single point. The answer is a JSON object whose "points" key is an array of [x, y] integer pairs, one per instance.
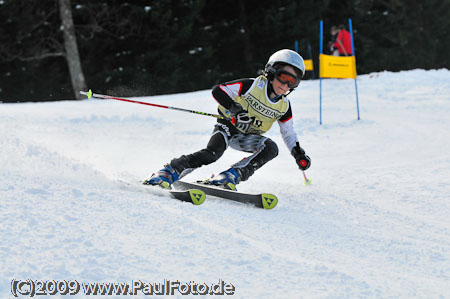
{"points": [[256, 122]]}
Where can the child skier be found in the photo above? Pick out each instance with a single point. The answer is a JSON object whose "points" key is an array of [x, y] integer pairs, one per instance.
{"points": [[250, 107]]}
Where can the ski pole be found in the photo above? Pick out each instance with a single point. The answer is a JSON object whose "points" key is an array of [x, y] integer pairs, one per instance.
{"points": [[90, 94], [307, 181]]}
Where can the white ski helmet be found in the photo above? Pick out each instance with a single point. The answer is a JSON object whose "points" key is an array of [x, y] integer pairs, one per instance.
{"points": [[285, 56]]}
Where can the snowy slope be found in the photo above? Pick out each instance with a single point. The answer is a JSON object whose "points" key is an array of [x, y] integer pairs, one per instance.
{"points": [[375, 222]]}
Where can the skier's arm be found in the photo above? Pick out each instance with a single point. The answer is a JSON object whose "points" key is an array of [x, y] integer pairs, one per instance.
{"points": [[290, 138], [287, 129], [224, 93]]}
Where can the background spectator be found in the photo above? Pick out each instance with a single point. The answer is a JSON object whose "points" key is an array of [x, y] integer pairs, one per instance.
{"points": [[343, 42]]}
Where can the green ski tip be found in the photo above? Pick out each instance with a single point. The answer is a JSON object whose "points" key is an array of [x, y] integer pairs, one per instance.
{"points": [[89, 94], [269, 201], [197, 196]]}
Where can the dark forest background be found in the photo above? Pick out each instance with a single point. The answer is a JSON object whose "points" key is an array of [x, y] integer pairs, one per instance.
{"points": [[135, 48]]}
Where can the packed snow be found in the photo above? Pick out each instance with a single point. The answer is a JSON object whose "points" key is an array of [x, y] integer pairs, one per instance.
{"points": [[374, 223]]}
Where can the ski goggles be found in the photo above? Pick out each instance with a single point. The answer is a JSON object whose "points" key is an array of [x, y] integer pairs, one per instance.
{"points": [[285, 77]]}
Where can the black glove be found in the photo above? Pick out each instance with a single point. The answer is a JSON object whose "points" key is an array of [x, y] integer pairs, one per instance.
{"points": [[302, 160], [240, 118]]}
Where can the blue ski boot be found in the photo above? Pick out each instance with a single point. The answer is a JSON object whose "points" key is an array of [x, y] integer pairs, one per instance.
{"points": [[163, 178], [227, 179]]}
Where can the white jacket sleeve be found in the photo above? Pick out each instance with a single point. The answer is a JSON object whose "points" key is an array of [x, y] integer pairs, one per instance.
{"points": [[287, 132]]}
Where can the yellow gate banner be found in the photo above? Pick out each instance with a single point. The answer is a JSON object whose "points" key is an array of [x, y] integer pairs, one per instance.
{"points": [[309, 65], [337, 66]]}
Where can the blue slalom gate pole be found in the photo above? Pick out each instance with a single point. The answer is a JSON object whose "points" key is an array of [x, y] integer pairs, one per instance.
{"points": [[310, 56], [321, 34], [296, 46], [353, 51]]}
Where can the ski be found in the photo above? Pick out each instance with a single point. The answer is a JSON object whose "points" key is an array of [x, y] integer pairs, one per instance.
{"points": [[192, 195], [263, 200]]}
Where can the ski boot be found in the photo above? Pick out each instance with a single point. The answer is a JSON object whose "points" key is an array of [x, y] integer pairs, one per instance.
{"points": [[227, 179], [163, 178]]}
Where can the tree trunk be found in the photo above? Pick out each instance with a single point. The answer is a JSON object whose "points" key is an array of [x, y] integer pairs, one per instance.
{"points": [[248, 57], [70, 44]]}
